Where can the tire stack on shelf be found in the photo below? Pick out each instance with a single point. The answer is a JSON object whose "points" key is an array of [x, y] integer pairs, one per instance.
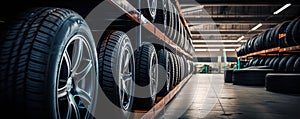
{"points": [[279, 62]]}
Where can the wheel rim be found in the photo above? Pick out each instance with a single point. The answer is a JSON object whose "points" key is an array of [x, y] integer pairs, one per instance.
{"points": [[152, 4], [153, 76], [77, 87], [126, 74]]}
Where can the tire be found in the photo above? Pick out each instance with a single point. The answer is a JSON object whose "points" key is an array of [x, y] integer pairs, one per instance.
{"points": [[268, 60], [288, 40], [297, 65], [275, 63], [148, 9], [49, 66], [283, 82], [161, 15], [164, 72], [117, 70], [146, 77], [296, 32], [173, 69], [282, 63], [170, 20], [176, 70], [290, 63]]}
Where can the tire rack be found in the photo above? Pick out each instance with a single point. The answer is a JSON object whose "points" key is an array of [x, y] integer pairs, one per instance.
{"points": [[273, 51], [124, 6]]}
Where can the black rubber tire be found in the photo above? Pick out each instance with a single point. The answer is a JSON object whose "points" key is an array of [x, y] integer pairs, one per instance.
{"points": [[179, 69], [283, 82], [261, 62], [161, 16], [288, 40], [116, 66], [175, 26], [280, 29], [282, 63], [170, 20], [268, 60], [275, 63], [228, 76], [290, 63], [251, 77], [146, 66], [272, 61], [148, 9], [172, 69], [164, 82], [297, 65], [296, 32], [176, 70], [33, 64]]}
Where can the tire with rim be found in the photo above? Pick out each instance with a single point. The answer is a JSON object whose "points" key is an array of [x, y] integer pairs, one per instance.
{"points": [[161, 15], [49, 66], [164, 72], [148, 9], [146, 77], [117, 70]]}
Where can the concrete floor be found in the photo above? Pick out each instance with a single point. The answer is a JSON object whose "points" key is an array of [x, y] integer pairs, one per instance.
{"points": [[207, 96]]}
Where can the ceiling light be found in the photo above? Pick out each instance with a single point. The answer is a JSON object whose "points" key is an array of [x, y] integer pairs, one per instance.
{"points": [[256, 27], [240, 38], [282, 8]]}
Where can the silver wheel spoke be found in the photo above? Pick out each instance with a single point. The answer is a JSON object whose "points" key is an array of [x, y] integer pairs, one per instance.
{"points": [[62, 91], [69, 113], [68, 61], [126, 63], [84, 95], [74, 105], [80, 75], [77, 52]]}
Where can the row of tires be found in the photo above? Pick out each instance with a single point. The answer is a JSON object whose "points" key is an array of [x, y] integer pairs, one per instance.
{"points": [[288, 63], [277, 74], [165, 15], [51, 67], [283, 35]]}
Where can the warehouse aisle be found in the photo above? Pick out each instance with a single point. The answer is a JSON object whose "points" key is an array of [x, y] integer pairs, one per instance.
{"points": [[207, 96]]}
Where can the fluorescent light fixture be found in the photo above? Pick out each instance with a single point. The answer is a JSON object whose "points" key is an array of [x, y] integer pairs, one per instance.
{"points": [[203, 50], [256, 27], [240, 38], [228, 49], [218, 45], [282, 8]]}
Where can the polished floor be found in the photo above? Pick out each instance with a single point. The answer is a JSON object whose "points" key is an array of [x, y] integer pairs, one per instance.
{"points": [[207, 96]]}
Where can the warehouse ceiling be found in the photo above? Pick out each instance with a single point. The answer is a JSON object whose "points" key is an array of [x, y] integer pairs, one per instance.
{"points": [[218, 25]]}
